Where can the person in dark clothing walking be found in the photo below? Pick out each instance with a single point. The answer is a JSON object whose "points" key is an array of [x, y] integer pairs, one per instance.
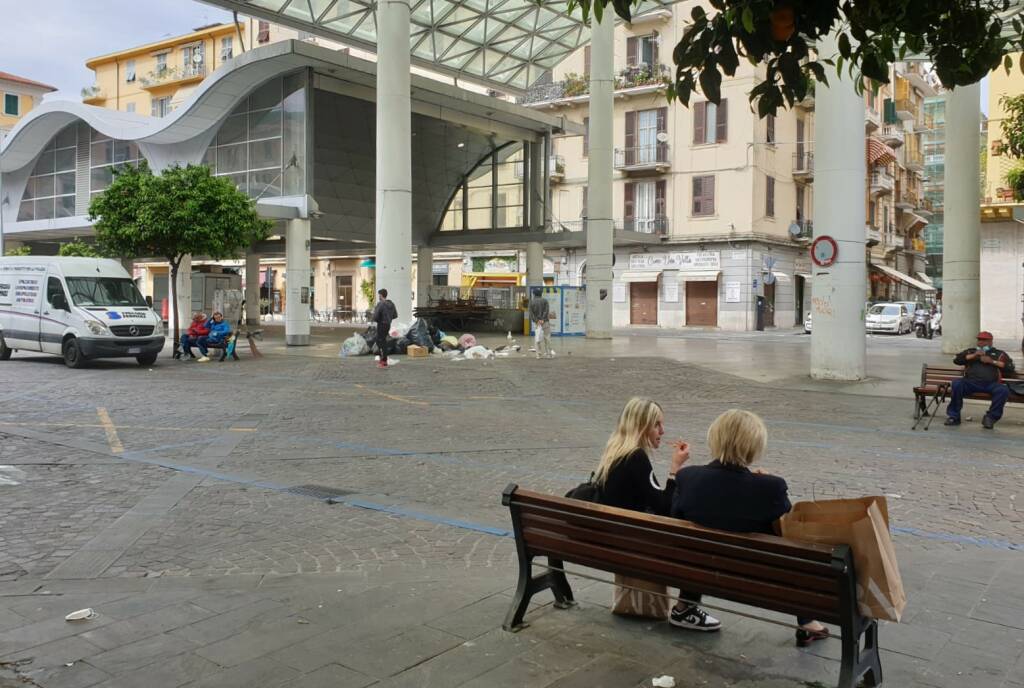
{"points": [[984, 368], [626, 478], [384, 313]]}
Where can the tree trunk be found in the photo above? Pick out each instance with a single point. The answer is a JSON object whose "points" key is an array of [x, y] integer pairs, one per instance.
{"points": [[173, 310]]}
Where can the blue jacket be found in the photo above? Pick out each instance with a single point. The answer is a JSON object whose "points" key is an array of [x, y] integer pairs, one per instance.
{"points": [[729, 497], [219, 331]]}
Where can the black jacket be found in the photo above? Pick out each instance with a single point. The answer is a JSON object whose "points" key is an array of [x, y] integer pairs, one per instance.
{"points": [[729, 497], [632, 485], [976, 371], [384, 313]]}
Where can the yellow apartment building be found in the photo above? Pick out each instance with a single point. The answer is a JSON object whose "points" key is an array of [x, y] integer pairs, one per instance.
{"points": [[153, 79], [18, 95], [1000, 84]]}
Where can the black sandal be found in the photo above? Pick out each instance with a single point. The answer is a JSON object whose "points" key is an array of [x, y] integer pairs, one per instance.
{"points": [[804, 637]]}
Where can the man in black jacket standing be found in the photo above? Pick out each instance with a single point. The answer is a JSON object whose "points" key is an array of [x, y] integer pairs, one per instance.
{"points": [[384, 313], [984, 373]]}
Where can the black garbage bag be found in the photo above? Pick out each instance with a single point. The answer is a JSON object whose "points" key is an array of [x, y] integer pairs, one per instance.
{"points": [[371, 334], [397, 345], [419, 334]]}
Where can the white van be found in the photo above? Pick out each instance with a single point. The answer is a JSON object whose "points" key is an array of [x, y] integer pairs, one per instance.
{"points": [[78, 308]]}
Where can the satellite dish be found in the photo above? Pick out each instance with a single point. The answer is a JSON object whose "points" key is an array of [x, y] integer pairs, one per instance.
{"points": [[662, 137], [769, 278], [794, 229], [197, 56]]}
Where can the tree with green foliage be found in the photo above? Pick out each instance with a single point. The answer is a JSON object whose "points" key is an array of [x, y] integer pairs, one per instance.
{"points": [[80, 249], [963, 39], [19, 251], [182, 211], [369, 290], [1013, 141]]}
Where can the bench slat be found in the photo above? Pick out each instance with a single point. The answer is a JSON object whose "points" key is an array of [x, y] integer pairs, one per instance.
{"points": [[777, 569], [624, 520], [788, 600]]}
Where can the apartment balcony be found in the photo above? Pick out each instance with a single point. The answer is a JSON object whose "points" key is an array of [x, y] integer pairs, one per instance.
{"points": [[93, 95], [803, 166], [907, 109], [556, 169], [872, 120], [882, 183], [925, 207], [631, 81], [873, 237], [649, 158], [641, 79], [905, 199], [652, 225], [892, 135], [913, 159], [806, 230], [174, 76]]}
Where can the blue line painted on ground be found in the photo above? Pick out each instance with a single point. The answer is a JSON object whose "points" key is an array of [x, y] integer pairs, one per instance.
{"points": [[420, 516], [959, 539]]}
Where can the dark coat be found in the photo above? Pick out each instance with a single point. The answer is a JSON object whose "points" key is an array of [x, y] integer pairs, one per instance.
{"points": [[729, 497]]}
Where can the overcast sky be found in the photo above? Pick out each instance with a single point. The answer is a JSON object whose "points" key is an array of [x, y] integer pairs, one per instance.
{"points": [[50, 40]]}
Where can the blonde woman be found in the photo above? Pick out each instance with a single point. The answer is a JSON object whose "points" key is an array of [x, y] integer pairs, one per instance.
{"points": [[627, 479], [726, 494]]}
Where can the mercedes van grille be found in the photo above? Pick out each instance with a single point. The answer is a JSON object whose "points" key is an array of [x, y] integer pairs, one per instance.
{"points": [[126, 330]]}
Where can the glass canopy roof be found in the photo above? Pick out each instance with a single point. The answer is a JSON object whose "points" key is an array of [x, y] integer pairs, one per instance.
{"points": [[505, 44]]}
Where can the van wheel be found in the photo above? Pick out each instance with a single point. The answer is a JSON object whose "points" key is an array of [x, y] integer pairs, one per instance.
{"points": [[146, 359], [5, 351], [73, 357]]}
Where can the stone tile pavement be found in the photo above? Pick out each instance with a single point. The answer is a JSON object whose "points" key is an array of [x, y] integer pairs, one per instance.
{"points": [[182, 531]]}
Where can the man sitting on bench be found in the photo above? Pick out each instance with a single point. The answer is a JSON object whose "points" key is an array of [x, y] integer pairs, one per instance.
{"points": [[220, 330], [984, 367]]}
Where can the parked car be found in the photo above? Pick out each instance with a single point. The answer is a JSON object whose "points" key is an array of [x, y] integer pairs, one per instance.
{"points": [[893, 318]]}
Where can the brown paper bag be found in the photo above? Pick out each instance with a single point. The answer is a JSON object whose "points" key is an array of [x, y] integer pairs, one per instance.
{"points": [[629, 602], [863, 524]]}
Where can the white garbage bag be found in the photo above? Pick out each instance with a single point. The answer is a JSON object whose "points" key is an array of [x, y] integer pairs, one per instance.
{"points": [[479, 353], [354, 346]]}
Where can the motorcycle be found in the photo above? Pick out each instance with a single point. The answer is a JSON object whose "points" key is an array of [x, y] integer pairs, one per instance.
{"points": [[936, 325], [922, 324]]}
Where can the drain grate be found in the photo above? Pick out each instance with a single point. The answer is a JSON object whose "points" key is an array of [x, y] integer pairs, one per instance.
{"points": [[322, 492]]}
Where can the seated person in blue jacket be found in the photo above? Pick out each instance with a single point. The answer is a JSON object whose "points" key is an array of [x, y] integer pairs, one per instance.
{"points": [[220, 330], [726, 494], [983, 372]]}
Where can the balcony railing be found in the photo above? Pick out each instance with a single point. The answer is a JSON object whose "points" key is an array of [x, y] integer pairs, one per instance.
{"points": [[803, 165], [652, 225], [556, 168], [93, 93], [872, 119], [806, 232], [642, 75], [892, 135], [576, 85], [913, 159], [174, 74], [649, 156], [872, 236], [881, 182], [907, 108]]}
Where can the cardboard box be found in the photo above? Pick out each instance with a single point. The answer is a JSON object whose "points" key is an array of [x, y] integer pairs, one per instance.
{"points": [[416, 351]]}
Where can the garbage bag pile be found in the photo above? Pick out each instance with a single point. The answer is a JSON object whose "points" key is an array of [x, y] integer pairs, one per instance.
{"points": [[421, 333]]}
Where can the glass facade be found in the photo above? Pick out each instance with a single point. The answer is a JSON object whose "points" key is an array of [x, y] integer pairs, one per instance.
{"points": [[106, 157], [933, 139], [261, 146], [50, 191], [509, 199]]}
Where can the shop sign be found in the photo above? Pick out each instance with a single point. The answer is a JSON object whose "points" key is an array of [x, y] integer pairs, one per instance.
{"points": [[685, 261]]}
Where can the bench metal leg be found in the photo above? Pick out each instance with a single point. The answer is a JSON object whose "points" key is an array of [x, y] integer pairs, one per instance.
{"points": [[529, 585], [858, 662], [560, 585]]}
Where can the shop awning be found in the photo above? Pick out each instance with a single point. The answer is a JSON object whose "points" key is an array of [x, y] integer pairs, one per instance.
{"points": [[805, 275], [640, 276], [913, 222], [902, 277], [705, 276], [926, 279], [878, 153]]}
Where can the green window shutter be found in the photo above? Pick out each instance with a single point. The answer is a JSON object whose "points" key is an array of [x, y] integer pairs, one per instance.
{"points": [[890, 111]]}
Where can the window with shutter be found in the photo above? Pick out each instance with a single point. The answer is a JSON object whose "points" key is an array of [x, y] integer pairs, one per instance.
{"points": [[704, 195], [660, 212], [129, 71], [662, 129], [721, 122], [583, 211], [629, 202], [799, 203], [631, 51], [699, 111], [263, 32], [631, 137], [769, 199], [586, 136], [769, 136]]}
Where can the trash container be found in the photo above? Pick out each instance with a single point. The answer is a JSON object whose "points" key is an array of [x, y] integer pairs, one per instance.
{"points": [[760, 313]]}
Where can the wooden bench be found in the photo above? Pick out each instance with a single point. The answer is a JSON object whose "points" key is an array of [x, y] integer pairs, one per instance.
{"points": [[936, 386], [758, 570], [233, 337]]}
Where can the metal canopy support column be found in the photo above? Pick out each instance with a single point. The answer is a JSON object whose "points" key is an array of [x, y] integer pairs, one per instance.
{"points": [[538, 180], [528, 171], [394, 155], [547, 179], [961, 252], [424, 274], [838, 343], [494, 189], [296, 306], [599, 179], [534, 264], [252, 288], [465, 203]]}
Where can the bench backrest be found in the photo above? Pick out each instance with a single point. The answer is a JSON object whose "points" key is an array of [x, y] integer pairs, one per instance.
{"points": [[934, 375], [760, 570]]}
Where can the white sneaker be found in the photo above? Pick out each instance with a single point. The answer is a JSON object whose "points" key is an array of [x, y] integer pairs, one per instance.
{"points": [[203, 359], [694, 618]]}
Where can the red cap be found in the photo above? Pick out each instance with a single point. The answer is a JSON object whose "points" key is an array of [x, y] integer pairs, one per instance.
{"points": [[985, 335]]}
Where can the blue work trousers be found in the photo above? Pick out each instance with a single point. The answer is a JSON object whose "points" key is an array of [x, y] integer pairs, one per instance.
{"points": [[964, 388]]}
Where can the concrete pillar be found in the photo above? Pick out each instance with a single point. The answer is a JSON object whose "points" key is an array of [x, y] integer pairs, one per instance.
{"points": [[252, 289], [424, 275], [838, 344], [527, 181], [534, 264], [183, 313], [961, 250], [599, 179], [296, 306], [394, 156], [548, 152], [538, 180]]}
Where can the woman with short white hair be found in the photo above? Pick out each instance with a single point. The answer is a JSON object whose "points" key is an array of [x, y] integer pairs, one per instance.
{"points": [[727, 495]]}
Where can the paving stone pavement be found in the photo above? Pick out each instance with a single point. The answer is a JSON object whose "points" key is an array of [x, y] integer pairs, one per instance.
{"points": [[180, 531]]}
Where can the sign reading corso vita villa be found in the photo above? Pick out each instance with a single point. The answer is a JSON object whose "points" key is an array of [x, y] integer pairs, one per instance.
{"points": [[691, 260]]}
